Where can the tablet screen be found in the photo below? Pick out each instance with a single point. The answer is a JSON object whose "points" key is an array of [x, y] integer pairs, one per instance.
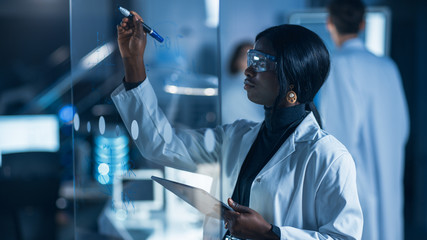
{"points": [[196, 197]]}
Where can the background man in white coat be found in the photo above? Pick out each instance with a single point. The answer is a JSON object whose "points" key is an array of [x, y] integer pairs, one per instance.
{"points": [[363, 104]]}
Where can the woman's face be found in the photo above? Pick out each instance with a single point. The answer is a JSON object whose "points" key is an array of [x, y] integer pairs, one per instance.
{"points": [[262, 87]]}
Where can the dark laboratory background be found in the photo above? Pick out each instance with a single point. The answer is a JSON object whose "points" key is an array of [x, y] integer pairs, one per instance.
{"points": [[39, 77]]}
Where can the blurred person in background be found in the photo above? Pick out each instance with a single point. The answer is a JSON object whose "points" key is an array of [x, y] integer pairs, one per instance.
{"points": [[363, 104]]}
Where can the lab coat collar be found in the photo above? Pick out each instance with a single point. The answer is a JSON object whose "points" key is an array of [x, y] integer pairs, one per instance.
{"points": [[353, 43], [307, 130]]}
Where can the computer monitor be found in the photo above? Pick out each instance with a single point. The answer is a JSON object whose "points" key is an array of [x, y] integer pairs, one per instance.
{"points": [[29, 133], [136, 194], [376, 34]]}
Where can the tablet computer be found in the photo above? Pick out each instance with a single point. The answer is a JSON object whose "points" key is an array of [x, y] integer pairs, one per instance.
{"points": [[196, 197]]}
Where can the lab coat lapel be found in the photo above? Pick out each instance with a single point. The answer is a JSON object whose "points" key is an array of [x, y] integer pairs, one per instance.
{"points": [[287, 148], [305, 131], [247, 141]]}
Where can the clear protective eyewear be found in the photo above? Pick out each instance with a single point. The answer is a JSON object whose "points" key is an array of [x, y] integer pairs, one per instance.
{"points": [[261, 62]]}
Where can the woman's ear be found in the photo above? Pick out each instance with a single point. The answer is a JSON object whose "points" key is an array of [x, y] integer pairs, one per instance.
{"points": [[332, 29], [330, 26]]}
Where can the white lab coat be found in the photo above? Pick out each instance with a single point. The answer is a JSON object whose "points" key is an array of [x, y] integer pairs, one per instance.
{"points": [[363, 105], [308, 188]]}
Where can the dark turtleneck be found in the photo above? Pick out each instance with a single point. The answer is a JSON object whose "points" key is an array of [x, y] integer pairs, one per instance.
{"points": [[276, 128]]}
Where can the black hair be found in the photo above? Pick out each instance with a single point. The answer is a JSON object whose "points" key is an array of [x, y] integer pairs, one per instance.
{"points": [[346, 15], [303, 61]]}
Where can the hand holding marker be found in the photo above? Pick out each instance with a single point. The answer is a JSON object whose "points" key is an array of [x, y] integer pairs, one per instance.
{"points": [[146, 28]]}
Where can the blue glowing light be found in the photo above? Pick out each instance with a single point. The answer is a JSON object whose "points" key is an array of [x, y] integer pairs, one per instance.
{"points": [[103, 169], [66, 113], [103, 179], [111, 155]]}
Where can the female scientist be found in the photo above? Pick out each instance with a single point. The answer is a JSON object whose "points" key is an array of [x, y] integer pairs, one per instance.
{"points": [[287, 178]]}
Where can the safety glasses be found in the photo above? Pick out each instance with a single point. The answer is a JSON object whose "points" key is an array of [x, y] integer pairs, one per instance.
{"points": [[261, 62]]}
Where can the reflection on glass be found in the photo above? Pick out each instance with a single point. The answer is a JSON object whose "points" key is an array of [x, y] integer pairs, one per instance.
{"points": [[104, 179], [209, 140], [118, 131], [167, 134], [88, 126], [137, 204], [103, 169], [111, 157], [101, 125], [134, 129], [97, 55], [61, 203], [192, 84], [110, 171], [76, 121]]}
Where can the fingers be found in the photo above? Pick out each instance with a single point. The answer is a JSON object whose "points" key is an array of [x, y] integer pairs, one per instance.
{"points": [[231, 203], [125, 28], [122, 32], [237, 207], [126, 23], [120, 29], [139, 32], [230, 215], [125, 20], [136, 16]]}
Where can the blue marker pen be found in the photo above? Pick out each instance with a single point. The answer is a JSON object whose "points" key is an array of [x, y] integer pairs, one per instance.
{"points": [[146, 28]]}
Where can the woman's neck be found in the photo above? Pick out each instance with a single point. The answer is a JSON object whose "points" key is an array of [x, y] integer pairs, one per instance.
{"points": [[282, 117]]}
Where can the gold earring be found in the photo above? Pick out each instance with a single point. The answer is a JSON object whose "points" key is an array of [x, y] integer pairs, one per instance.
{"points": [[291, 96]]}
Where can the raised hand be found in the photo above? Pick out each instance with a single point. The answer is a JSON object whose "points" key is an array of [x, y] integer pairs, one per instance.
{"points": [[132, 41]]}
